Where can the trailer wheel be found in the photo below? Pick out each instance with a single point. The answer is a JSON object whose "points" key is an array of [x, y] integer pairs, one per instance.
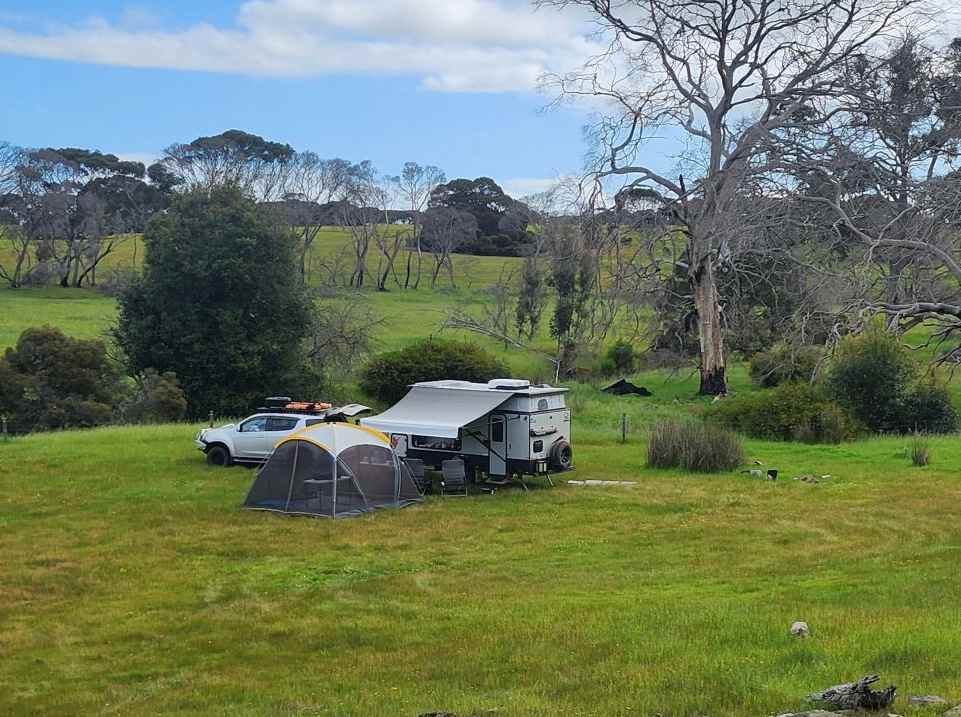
{"points": [[561, 458]]}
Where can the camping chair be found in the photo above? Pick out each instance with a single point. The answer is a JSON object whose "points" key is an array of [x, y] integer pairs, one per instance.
{"points": [[417, 470], [454, 481]]}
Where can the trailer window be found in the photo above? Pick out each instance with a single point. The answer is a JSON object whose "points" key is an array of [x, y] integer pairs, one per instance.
{"points": [[497, 431], [436, 444], [542, 404]]}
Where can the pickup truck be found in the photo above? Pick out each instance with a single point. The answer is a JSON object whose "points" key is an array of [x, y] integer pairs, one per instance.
{"points": [[252, 439]]}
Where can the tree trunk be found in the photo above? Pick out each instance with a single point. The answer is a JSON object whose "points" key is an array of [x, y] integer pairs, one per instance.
{"points": [[707, 305]]}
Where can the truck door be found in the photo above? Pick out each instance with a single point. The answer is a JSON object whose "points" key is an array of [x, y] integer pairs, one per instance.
{"points": [[251, 440], [498, 447]]}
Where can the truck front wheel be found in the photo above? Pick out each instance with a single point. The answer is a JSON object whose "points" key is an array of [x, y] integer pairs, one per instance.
{"points": [[218, 455]]}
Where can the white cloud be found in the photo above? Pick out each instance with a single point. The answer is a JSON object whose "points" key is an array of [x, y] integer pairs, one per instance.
{"points": [[452, 45]]}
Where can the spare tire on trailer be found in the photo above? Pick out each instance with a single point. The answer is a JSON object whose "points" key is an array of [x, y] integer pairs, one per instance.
{"points": [[561, 457]]}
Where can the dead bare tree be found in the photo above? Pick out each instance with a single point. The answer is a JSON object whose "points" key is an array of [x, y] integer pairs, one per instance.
{"points": [[729, 74], [414, 185]]}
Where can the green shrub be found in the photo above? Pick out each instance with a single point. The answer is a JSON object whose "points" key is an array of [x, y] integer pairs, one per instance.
{"points": [[388, 375], [789, 412], [920, 451], [876, 379], [694, 446], [159, 399], [927, 407], [870, 374], [620, 359], [784, 363], [50, 380]]}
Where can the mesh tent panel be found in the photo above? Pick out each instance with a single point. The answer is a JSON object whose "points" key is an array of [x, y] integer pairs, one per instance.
{"points": [[272, 484], [383, 479], [314, 465]]}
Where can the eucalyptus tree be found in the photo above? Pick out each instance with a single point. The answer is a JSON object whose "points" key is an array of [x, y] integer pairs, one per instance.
{"points": [[729, 74], [415, 184], [257, 166], [311, 184]]}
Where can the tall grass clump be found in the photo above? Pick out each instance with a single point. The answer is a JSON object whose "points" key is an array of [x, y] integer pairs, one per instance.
{"points": [[693, 446], [920, 451]]}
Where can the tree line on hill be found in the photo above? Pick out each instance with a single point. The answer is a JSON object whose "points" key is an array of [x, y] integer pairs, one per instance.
{"points": [[821, 191], [63, 211]]}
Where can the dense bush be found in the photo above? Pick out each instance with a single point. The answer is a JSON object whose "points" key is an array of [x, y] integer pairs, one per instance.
{"points": [[876, 378], [388, 375], [620, 359], [49, 380], [158, 399], [694, 446], [927, 407], [789, 412], [221, 304], [784, 363], [496, 245]]}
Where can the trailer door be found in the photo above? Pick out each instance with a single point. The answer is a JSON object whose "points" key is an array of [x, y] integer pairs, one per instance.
{"points": [[498, 446]]}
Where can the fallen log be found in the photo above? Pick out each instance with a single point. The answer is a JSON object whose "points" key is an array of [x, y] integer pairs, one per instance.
{"points": [[856, 695]]}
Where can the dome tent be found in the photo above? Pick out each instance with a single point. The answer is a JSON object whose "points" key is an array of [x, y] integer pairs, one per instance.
{"points": [[332, 470]]}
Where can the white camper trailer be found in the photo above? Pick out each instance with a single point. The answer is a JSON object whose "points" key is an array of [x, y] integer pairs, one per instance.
{"points": [[503, 428]]}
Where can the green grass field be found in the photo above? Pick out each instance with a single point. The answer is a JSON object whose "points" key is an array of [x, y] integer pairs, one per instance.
{"points": [[133, 583]]}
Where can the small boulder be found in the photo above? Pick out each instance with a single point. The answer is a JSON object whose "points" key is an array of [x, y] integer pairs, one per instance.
{"points": [[927, 700], [953, 712], [800, 629]]}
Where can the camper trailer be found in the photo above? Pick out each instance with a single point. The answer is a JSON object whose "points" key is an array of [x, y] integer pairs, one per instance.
{"points": [[503, 428]]}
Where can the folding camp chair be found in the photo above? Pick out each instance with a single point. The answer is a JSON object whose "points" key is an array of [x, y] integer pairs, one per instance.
{"points": [[418, 471], [454, 481]]}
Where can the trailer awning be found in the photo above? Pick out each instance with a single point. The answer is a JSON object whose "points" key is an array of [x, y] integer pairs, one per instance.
{"points": [[439, 412]]}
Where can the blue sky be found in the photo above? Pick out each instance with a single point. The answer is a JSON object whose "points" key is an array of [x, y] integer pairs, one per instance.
{"points": [[386, 80]]}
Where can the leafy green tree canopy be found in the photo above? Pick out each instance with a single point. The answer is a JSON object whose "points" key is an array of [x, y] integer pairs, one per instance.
{"points": [[220, 303]]}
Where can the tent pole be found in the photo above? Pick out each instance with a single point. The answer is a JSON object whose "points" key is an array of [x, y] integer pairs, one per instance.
{"points": [[333, 506], [293, 472]]}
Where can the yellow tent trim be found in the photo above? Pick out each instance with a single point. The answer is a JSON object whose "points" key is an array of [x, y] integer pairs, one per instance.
{"points": [[304, 433], [301, 436], [372, 431]]}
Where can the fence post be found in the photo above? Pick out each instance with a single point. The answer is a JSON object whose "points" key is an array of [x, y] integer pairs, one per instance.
{"points": [[210, 417], [623, 428], [3, 427]]}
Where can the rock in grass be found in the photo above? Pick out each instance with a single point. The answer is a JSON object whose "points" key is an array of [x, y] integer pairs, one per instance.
{"points": [[927, 700], [953, 712], [856, 695], [800, 629]]}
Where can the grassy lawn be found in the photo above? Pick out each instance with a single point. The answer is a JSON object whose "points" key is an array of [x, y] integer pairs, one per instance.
{"points": [[132, 583]]}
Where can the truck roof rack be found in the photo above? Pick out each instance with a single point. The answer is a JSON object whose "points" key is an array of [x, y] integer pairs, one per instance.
{"points": [[283, 404]]}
